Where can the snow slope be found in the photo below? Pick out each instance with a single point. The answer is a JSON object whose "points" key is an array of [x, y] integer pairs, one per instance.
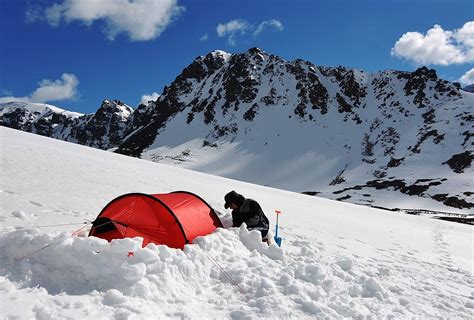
{"points": [[338, 260]]}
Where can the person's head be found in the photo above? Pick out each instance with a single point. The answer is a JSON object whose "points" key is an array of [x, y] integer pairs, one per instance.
{"points": [[233, 200]]}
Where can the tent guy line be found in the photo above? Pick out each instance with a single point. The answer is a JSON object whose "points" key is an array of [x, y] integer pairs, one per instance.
{"points": [[46, 226]]}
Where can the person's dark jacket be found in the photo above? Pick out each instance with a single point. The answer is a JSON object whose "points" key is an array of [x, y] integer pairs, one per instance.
{"points": [[250, 212]]}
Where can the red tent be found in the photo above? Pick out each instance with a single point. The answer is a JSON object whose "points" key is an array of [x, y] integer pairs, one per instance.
{"points": [[173, 219]]}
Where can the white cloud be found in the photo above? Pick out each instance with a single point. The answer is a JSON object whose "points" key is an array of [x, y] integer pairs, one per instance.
{"points": [[50, 90], [232, 26], [468, 77], [466, 34], [149, 97], [438, 46], [273, 23], [236, 27], [204, 37], [140, 19], [63, 89], [231, 29]]}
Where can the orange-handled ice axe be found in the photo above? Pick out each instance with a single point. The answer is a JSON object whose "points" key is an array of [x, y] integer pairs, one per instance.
{"points": [[277, 238]]}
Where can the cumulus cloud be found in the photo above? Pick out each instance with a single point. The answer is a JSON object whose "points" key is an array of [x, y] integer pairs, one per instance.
{"points": [[437, 46], [50, 90], [149, 97], [231, 29], [269, 24], [465, 35], [468, 77], [232, 26], [236, 27], [141, 20]]}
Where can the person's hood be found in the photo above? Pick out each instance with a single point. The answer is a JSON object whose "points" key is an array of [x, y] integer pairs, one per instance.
{"points": [[234, 197]]}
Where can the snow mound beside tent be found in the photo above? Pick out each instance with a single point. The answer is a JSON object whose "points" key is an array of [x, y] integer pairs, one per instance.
{"points": [[121, 279], [81, 265], [127, 275]]}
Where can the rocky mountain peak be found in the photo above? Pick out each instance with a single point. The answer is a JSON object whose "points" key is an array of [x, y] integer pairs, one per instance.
{"points": [[255, 51], [110, 107], [219, 55], [257, 54], [370, 125], [204, 65], [426, 73]]}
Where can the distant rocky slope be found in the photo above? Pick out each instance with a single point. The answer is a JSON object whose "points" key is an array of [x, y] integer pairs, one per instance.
{"points": [[469, 88], [394, 139], [103, 129]]}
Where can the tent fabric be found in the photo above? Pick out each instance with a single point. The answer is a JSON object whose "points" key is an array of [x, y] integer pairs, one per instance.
{"points": [[173, 219]]}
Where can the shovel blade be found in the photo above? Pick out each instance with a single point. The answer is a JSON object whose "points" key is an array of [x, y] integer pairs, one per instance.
{"points": [[278, 241]]}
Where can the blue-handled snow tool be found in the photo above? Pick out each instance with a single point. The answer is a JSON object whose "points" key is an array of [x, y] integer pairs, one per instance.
{"points": [[277, 238]]}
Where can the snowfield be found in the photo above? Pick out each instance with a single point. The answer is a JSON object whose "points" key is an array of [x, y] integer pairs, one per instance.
{"points": [[338, 260]]}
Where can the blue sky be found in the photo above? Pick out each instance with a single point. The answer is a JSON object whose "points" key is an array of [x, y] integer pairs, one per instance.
{"points": [[74, 53]]}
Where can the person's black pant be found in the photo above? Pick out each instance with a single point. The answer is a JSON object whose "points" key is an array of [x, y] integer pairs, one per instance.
{"points": [[264, 233]]}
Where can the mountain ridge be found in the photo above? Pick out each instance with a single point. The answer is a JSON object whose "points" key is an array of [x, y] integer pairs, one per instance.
{"points": [[375, 131]]}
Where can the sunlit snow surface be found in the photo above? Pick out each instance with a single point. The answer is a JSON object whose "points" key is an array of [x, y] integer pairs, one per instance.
{"points": [[337, 260]]}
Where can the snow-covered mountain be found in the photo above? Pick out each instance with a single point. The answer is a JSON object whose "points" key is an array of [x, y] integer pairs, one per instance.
{"points": [[103, 129], [338, 132], [337, 261], [469, 88]]}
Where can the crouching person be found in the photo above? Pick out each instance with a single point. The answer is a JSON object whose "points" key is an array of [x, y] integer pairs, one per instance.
{"points": [[248, 211]]}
